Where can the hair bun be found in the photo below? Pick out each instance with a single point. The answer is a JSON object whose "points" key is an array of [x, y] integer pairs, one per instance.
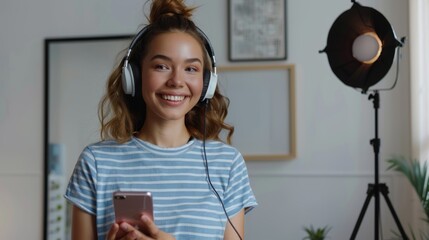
{"points": [[169, 8]]}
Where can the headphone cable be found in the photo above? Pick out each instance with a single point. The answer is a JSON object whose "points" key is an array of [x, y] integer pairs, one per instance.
{"points": [[208, 174]]}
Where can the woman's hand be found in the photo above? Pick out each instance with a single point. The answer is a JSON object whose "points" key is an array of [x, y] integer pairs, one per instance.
{"points": [[125, 231]]}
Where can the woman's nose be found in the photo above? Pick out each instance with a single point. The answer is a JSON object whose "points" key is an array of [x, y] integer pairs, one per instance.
{"points": [[176, 79]]}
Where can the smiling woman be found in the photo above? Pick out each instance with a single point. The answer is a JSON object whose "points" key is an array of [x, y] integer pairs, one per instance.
{"points": [[161, 118]]}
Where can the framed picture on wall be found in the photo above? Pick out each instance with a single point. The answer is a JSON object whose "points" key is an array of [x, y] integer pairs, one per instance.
{"points": [[257, 30], [263, 115]]}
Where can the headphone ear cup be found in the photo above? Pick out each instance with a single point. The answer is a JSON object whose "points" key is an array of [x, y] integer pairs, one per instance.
{"points": [[137, 80], [209, 85], [131, 80], [127, 79], [206, 82]]}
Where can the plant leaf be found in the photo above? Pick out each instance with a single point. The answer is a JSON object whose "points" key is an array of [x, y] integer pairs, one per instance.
{"points": [[417, 174]]}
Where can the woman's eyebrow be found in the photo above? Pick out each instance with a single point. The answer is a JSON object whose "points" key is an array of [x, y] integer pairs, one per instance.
{"points": [[163, 57], [190, 60], [160, 56]]}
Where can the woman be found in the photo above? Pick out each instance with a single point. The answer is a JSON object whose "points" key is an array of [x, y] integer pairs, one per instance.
{"points": [[160, 131]]}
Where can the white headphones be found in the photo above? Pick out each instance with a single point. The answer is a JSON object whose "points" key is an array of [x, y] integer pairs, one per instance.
{"points": [[131, 80]]}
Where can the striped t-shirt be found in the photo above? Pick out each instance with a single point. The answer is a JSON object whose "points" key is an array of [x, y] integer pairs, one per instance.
{"points": [[184, 203]]}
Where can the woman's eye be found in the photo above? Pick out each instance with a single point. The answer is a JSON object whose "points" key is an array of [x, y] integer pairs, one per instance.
{"points": [[161, 67], [192, 69]]}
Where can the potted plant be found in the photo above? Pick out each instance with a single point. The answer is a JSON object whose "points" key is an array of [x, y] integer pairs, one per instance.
{"points": [[417, 174], [316, 234]]}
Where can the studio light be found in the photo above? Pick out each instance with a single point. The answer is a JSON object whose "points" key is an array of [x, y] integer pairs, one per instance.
{"points": [[361, 48]]}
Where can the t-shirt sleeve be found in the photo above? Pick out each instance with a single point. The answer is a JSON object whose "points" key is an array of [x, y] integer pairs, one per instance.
{"points": [[81, 187], [239, 194]]}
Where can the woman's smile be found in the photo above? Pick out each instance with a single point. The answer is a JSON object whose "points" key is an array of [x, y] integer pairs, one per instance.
{"points": [[173, 98]]}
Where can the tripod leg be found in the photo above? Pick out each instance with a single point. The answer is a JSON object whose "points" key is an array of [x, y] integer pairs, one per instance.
{"points": [[384, 190], [369, 194]]}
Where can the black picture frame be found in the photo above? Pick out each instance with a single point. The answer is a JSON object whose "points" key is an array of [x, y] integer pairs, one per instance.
{"points": [[257, 30]]}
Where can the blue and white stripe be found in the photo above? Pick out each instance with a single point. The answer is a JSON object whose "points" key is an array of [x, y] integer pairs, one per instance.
{"points": [[184, 204]]}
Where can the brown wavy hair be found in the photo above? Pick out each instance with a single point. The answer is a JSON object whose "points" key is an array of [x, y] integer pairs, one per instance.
{"points": [[122, 115]]}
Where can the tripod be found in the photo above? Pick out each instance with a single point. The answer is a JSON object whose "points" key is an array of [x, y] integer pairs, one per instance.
{"points": [[375, 189]]}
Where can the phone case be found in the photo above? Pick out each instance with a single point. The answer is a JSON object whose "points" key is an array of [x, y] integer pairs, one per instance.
{"points": [[129, 207]]}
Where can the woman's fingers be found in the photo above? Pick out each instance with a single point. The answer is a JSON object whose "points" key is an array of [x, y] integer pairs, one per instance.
{"points": [[151, 228], [153, 231], [111, 235], [130, 233], [147, 231]]}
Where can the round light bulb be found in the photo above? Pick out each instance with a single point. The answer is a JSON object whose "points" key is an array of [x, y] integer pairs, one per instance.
{"points": [[367, 48]]}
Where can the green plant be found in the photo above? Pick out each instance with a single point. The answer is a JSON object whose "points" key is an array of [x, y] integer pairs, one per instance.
{"points": [[316, 234], [417, 174]]}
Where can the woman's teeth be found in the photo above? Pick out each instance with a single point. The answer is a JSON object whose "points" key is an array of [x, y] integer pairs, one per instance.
{"points": [[173, 98]]}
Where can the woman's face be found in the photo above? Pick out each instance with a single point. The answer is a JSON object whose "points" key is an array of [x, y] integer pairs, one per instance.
{"points": [[172, 76]]}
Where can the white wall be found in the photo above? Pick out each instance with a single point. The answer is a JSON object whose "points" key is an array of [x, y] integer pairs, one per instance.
{"points": [[324, 185]]}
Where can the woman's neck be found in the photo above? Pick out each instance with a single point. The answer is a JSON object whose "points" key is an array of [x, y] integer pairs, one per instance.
{"points": [[167, 134]]}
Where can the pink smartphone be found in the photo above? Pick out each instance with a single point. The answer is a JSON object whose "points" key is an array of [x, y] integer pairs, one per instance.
{"points": [[129, 207]]}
